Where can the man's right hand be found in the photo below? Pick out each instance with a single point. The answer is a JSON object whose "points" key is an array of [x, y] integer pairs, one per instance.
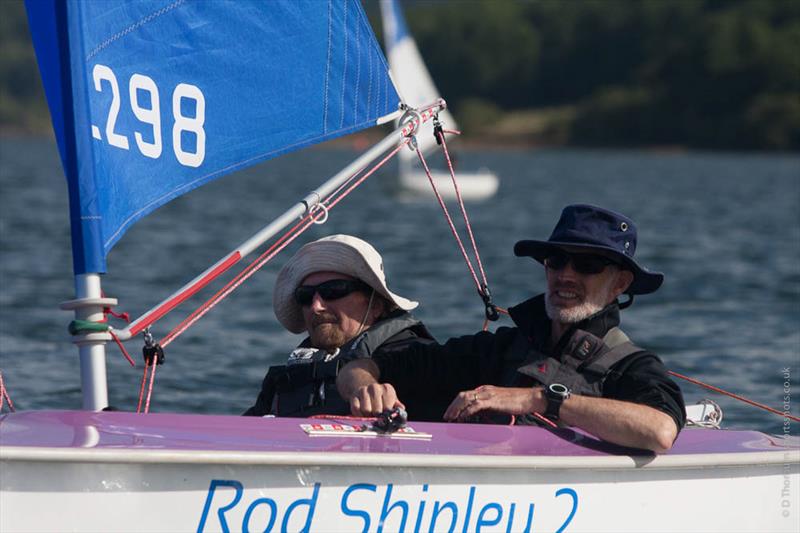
{"points": [[373, 399]]}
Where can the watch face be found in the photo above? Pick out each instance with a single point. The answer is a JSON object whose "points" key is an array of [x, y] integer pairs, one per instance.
{"points": [[559, 389]]}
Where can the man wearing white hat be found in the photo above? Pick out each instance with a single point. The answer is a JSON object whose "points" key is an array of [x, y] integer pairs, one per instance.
{"points": [[334, 290]]}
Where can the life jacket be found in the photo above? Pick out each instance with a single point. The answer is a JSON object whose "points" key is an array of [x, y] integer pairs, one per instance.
{"points": [[307, 385], [583, 364]]}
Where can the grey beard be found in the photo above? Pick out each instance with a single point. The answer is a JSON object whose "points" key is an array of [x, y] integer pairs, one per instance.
{"points": [[571, 315]]}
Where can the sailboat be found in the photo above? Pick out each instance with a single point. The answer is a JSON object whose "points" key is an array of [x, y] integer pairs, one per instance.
{"points": [[150, 99], [416, 87]]}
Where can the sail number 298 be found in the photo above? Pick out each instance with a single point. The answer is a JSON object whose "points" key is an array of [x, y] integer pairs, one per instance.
{"points": [[151, 115]]}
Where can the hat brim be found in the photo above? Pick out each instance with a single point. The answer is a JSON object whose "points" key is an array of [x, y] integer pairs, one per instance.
{"points": [[644, 281], [322, 256]]}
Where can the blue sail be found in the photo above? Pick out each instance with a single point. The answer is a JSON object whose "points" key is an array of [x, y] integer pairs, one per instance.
{"points": [[153, 98]]}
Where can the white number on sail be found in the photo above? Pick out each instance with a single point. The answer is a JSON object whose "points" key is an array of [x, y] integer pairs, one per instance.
{"points": [[150, 116], [100, 73], [190, 124]]}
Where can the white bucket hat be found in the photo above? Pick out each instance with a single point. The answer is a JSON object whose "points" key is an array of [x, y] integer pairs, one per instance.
{"points": [[338, 253]]}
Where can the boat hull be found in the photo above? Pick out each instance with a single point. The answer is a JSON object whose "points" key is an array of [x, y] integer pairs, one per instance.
{"points": [[477, 185], [162, 473]]}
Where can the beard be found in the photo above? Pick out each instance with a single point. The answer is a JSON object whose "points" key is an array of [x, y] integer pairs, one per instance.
{"points": [[325, 332], [590, 305]]}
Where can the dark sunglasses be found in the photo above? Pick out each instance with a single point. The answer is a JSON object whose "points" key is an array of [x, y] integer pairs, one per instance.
{"points": [[581, 263], [328, 290]]}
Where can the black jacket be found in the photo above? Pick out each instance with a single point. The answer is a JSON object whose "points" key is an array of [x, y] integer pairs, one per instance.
{"points": [[505, 357], [308, 386]]}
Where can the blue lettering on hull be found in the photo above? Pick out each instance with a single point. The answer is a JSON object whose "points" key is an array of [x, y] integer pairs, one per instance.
{"points": [[224, 505]]}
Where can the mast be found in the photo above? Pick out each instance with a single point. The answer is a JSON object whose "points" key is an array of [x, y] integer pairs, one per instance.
{"points": [[49, 24], [89, 306]]}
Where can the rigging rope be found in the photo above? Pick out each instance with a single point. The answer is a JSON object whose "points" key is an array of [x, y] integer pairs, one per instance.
{"points": [[441, 140], [4, 397], [482, 287], [154, 364], [734, 396], [141, 389]]}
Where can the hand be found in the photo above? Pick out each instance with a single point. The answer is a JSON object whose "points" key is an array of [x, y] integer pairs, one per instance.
{"points": [[373, 399], [506, 400]]}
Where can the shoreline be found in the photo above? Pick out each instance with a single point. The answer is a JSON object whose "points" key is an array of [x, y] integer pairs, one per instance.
{"points": [[364, 139]]}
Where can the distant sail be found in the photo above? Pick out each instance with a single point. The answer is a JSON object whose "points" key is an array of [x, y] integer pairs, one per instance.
{"points": [[411, 76], [153, 98]]}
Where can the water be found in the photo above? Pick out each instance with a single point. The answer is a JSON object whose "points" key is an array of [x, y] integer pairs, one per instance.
{"points": [[724, 228]]}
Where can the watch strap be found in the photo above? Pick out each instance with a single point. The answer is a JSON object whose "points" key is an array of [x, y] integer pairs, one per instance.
{"points": [[554, 402]]}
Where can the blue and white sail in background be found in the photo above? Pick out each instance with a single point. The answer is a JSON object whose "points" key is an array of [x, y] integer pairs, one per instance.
{"points": [[414, 82], [152, 98], [417, 89]]}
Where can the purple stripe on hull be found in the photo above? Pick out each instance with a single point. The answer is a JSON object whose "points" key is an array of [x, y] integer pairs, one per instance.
{"points": [[115, 430]]}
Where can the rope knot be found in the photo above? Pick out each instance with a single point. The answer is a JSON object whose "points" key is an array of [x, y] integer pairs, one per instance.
{"points": [[152, 351], [491, 310], [438, 132]]}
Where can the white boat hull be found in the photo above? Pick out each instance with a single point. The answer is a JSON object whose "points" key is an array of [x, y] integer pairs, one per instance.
{"points": [[238, 493], [124, 472], [473, 186]]}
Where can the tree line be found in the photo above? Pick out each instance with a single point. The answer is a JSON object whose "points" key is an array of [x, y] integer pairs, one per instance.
{"points": [[719, 74], [711, 74]]}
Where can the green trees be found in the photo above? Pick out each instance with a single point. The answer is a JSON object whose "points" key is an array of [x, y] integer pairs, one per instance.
{"points": [[22, 105], [699, 73], [722, 74]]}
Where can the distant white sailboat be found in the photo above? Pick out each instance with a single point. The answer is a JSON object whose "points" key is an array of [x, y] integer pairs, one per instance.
{"points": [[416, 88]]}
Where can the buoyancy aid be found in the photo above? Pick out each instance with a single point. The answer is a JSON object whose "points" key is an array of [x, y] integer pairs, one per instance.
{"points": [[306, 385], [583, 364]]}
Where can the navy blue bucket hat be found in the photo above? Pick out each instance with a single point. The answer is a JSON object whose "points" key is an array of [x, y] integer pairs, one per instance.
{"points": [[594, 228]]}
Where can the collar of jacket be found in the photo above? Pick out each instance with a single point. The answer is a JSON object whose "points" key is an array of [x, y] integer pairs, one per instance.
{"points": [[370, 339], [530, 316]]}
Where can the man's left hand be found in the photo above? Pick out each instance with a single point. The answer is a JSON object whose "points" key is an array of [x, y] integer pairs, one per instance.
{"points": [[506, 400]]}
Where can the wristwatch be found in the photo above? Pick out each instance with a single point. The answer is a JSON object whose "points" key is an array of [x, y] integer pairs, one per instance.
{"points": [[555, 395]]}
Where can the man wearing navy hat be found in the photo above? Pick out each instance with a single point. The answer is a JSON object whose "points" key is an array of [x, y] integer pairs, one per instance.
{"points": [[564, 362]]}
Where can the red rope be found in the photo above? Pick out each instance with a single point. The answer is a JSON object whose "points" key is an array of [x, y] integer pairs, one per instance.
{"points": [[4, 397], [734, 396], [482, 289], [449, 219], [237, 280], [123, 316], [500, 310], [122, 348], [463, 209], [344, 417], [150, 388], [141, 389], [370, 173], [545, 420]]}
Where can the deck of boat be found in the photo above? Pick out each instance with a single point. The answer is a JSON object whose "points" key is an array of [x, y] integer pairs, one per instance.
{"points": [[130, 437]]}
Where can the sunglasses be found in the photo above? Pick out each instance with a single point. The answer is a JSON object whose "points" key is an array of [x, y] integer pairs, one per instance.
{"points": [[581, 263], [328, 290]]}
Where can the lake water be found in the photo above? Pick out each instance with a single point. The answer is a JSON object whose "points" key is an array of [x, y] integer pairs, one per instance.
{"points": [[725, 229]]}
